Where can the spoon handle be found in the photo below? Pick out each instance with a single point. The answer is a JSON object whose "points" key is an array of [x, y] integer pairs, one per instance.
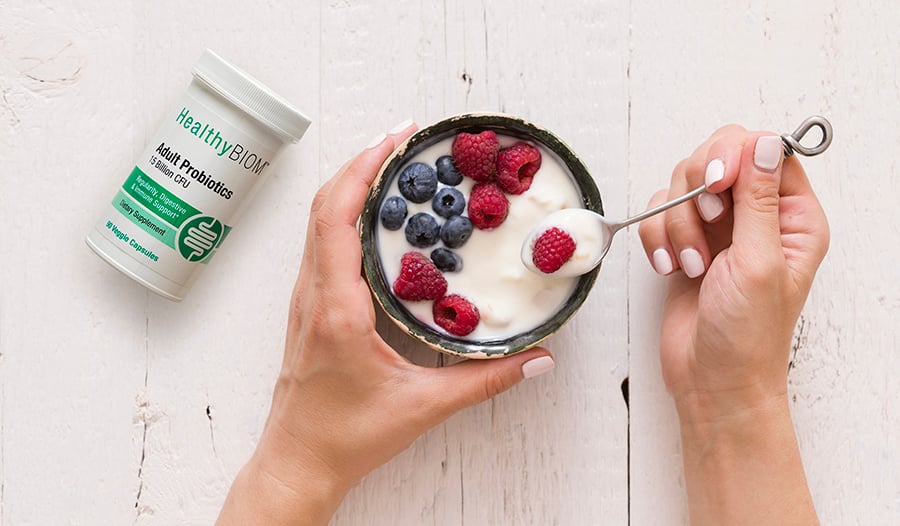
{"points": [[653, 211], [792, 145]]}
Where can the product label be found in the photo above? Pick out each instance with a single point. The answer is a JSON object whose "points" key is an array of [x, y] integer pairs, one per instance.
{"points": [[173, 211]]}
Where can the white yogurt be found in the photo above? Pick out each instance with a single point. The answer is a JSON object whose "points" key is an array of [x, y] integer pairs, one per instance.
{"points": [[510, 298]]}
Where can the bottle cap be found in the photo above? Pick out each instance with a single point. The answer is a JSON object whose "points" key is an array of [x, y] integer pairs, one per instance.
{"points": [[250, 95]]}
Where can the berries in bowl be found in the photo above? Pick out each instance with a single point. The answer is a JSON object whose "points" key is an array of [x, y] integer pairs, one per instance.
{"points": [[443, 228]]}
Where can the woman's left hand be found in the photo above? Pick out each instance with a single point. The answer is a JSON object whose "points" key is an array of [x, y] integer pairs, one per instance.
{"points": [[345, 401]]}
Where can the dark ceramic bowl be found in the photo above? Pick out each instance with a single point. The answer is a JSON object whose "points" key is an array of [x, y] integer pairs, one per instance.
{"points": [[471, 123]]}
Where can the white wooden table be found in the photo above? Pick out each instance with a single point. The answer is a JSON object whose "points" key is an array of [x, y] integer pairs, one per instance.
{"points": [[119, 407]]}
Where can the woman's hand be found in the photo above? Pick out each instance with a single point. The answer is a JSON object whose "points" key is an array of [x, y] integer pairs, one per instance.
{"points": [[748, 251], [345, 401]]}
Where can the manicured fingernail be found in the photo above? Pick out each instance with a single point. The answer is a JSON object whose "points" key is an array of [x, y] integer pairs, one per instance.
{"points": [[715, 171], [400, 127], [710, 206], [662, 262], [376, 141], [691, 262], [537, 366], [768, 152]]}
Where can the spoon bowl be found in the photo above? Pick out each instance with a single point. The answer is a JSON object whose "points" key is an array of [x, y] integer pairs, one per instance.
{"points": [[593, 232]]}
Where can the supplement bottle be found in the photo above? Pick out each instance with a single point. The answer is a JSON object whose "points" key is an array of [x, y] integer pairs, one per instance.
{"points": [[211, 153]]}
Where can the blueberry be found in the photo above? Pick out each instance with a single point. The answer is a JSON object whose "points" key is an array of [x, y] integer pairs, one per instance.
{"points": [[446, 260], [422, 230], [393, 212], [448, 202], [456, 231], [418, 182], [447, 172]]}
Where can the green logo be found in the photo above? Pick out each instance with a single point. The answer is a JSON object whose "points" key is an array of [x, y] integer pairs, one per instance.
{"points": [[199, 236]]}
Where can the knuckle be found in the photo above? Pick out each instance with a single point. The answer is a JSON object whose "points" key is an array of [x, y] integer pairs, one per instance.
{"points": [[658, 197], [676, 223], [763, 274], [495, 383], [728, 129], [763, 196], [695, 167], [680, 167], [324, 222], [320, 198], [644, 229], [651, 225], [327, 323], [298, 306]]}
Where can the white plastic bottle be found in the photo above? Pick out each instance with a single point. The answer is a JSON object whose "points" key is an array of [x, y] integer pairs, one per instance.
{"points": [[211, 153]]}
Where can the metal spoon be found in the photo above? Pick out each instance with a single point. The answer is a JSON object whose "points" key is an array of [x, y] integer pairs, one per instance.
{"points": [[594, 232]]}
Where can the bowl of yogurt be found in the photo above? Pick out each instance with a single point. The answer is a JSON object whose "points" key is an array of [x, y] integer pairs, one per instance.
{"points": [[442, 234]]}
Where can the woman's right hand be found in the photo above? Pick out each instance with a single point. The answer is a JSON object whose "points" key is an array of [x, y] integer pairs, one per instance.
{"points": [[748, 252]]}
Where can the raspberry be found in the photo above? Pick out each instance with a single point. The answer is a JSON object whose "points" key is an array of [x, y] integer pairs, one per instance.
{"points": [[455, 314], [488, 206], [419, 279], [516, 167], [552, 249], [475, 155]]}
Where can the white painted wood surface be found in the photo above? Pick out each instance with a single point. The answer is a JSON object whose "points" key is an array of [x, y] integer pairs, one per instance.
{"points": [[119, 407]]}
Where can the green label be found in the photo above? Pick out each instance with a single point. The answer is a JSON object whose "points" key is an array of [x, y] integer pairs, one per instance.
{"points": [[145, 220], [172, 221], [157, 198], [199, 237]]}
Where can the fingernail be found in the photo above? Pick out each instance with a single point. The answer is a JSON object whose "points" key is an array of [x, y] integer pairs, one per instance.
{"points": [[710, 206], [691, 262], [376, 141], [662, 262], [715, 171], [768, 152], [400, 127], [537, 366]]}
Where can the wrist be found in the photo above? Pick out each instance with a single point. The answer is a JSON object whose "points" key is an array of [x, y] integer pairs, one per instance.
{"points": [[279, 489], [714, 423], [745, 468], [700, 407]]}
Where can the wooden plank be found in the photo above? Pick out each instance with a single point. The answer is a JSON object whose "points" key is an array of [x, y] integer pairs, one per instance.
{"points": [[213, 359], [72, 333], [553, 450], [695, 67]]}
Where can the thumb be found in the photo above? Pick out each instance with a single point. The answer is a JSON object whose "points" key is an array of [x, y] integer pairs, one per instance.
{"points": [[474, 381], [755, 191]]}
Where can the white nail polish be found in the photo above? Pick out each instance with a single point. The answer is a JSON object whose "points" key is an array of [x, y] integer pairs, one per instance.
{"points": [[537, 366], [376, 141], [768, 152], [710, 206], [400, 127], [662, 262], [715, 171], [691, 262]]}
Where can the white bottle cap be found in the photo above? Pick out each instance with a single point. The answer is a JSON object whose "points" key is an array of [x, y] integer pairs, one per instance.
{"points": [[251, 96]]}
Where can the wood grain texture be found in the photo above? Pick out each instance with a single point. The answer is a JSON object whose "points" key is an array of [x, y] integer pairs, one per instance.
{"points": [[118, 407]]}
